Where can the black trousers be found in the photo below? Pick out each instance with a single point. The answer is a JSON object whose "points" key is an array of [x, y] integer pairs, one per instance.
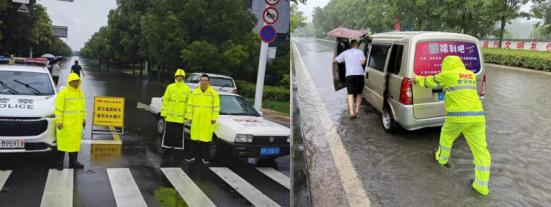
{"points": [[56, 79], [174, 135], [200, 150], [72, 157]]}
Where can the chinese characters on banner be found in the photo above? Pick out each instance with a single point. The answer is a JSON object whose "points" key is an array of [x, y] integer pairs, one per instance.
{"points": [[429, 55], [518, 44], [108, 111]]}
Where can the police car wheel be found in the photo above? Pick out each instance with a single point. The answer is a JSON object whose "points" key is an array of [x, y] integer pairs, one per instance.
{"points": [[161, 125]]}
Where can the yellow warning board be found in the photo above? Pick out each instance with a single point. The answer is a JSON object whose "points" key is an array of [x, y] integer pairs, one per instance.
{"points": [[105, 151], [108, 111]]}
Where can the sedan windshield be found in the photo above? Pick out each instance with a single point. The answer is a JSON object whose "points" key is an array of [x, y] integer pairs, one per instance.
{"points": [[25, 83], [236, 105]]}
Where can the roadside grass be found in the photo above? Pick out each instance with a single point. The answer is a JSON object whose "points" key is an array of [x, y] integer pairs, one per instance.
{"points": [[535, 60]]}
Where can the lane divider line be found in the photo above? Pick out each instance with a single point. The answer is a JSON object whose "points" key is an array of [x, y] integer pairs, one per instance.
{"points": [[125, 189], [188, 190], [276, 176], [58, 191], [352, 184], [244, 188], [4, 174]]}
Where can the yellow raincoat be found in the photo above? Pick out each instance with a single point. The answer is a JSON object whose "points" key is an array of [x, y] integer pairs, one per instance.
{"points": [[70, 110], [202, 108], [175, 100], [465, 115]]}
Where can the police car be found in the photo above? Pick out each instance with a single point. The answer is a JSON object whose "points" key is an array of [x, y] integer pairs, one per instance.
{"points": [[27, 104], [219, 82], [240, 130]]}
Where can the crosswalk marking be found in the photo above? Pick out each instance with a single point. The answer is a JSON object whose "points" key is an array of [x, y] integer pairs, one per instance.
{"points": [[244, 188], [58, 191], [124, 187], [276, 176], [190, 192], [4, 174]]}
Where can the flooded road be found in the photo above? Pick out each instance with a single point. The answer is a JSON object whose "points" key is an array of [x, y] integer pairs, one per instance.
{"points": [[398, 170], [140, 154]]}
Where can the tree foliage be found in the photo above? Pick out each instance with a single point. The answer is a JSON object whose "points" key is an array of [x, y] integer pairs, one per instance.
{"points": [[199, 36], [21, 31], [474, 17]]}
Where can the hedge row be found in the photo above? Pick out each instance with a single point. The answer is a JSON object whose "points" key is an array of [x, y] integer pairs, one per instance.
{"points": [[537, 60], [247, 89]]}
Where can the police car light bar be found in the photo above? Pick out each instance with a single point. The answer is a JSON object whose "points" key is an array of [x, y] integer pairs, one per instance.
{"points": [[24, 61]]}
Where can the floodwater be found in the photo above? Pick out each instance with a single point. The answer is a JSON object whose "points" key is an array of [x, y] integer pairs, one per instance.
{"points": [[398, 169], [139, 152]]}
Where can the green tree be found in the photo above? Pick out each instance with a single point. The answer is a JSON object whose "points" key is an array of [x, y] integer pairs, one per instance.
{"points": [[297, 18], [507, 10], [542, 10]]}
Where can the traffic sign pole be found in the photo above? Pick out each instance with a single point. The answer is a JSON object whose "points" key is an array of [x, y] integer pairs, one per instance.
{"points": [[260, 76], [267, 34]]}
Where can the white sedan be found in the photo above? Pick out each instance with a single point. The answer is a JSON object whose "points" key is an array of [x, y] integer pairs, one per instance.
{"points": [[240, 130]]}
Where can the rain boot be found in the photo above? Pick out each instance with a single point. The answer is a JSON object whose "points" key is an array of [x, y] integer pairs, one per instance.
{"points": [[73, 162], [60, 158]]}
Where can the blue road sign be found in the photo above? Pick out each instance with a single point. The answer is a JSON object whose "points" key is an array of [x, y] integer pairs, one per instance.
{"points": [[267, 33]]}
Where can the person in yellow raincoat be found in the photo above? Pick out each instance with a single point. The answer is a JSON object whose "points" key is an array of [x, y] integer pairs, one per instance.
{"points": [[70, 118], [203, 109], [174, 111], [464, 115]]}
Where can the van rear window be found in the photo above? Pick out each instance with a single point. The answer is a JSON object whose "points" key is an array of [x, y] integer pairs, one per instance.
{"points": [[429, 56]]}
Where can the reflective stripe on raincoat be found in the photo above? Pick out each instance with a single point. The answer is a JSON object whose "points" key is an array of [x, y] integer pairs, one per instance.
{"points": [[461, 95], [202, 108], [70, 110], [175, 99]]}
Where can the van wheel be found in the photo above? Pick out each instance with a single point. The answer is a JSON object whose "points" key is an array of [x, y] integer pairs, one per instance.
{"points": [[387, 120], [161, 125]]}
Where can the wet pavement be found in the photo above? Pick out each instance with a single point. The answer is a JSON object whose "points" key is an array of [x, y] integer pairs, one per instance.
{"points": [[398, 169], [139, 152]]}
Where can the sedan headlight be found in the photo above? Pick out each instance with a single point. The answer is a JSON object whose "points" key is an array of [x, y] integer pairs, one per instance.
{"points": [[244, 138]]}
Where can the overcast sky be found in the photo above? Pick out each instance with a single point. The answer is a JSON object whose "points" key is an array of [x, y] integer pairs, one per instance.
{"points": [[83, 17]]}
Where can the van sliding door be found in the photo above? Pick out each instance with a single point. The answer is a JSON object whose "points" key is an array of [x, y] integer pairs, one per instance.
{"points": [[339, 70]]}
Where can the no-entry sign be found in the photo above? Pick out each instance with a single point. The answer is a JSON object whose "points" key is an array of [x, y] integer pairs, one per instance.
{"points": [[267, 33], [270, 15]]}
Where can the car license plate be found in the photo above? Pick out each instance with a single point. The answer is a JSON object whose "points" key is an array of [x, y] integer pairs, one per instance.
{"points": [[12, 144], [269, 151], [441, 96]]}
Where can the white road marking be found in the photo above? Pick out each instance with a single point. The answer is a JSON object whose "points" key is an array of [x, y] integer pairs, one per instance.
{"points": [[244, 188], [124, 187], [352, 184], [100, 141], [190, 192], [276, 176], [4, 174], [58, 191]]}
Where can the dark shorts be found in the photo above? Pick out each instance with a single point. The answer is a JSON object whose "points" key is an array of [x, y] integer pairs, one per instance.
{"points": [[355, 84]]}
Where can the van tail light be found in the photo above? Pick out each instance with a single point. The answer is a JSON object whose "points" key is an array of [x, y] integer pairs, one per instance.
{"points": [[406, 92], [483, 88], [235, 91]]}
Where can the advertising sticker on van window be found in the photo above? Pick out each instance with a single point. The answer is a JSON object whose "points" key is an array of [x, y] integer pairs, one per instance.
{"points": [[429, 56]]}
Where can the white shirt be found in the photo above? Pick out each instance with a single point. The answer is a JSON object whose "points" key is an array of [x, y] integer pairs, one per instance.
{"points": [[352, 59], [55, 70]]}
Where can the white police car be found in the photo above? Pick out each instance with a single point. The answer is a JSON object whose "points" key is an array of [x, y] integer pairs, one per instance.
{"points": [[27, 104], [220, 83], [240, 131]]}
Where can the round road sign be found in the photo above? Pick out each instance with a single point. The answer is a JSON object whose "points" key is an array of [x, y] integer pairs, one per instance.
{"points": [[267, 33], [270, 15], [272, 2]]}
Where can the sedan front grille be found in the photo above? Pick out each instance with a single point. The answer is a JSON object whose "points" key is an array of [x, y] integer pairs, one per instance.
{"points": [[270, 139], [22, 126]]}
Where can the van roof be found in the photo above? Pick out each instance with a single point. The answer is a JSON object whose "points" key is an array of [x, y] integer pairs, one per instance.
{"points": [[406, 36]]}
